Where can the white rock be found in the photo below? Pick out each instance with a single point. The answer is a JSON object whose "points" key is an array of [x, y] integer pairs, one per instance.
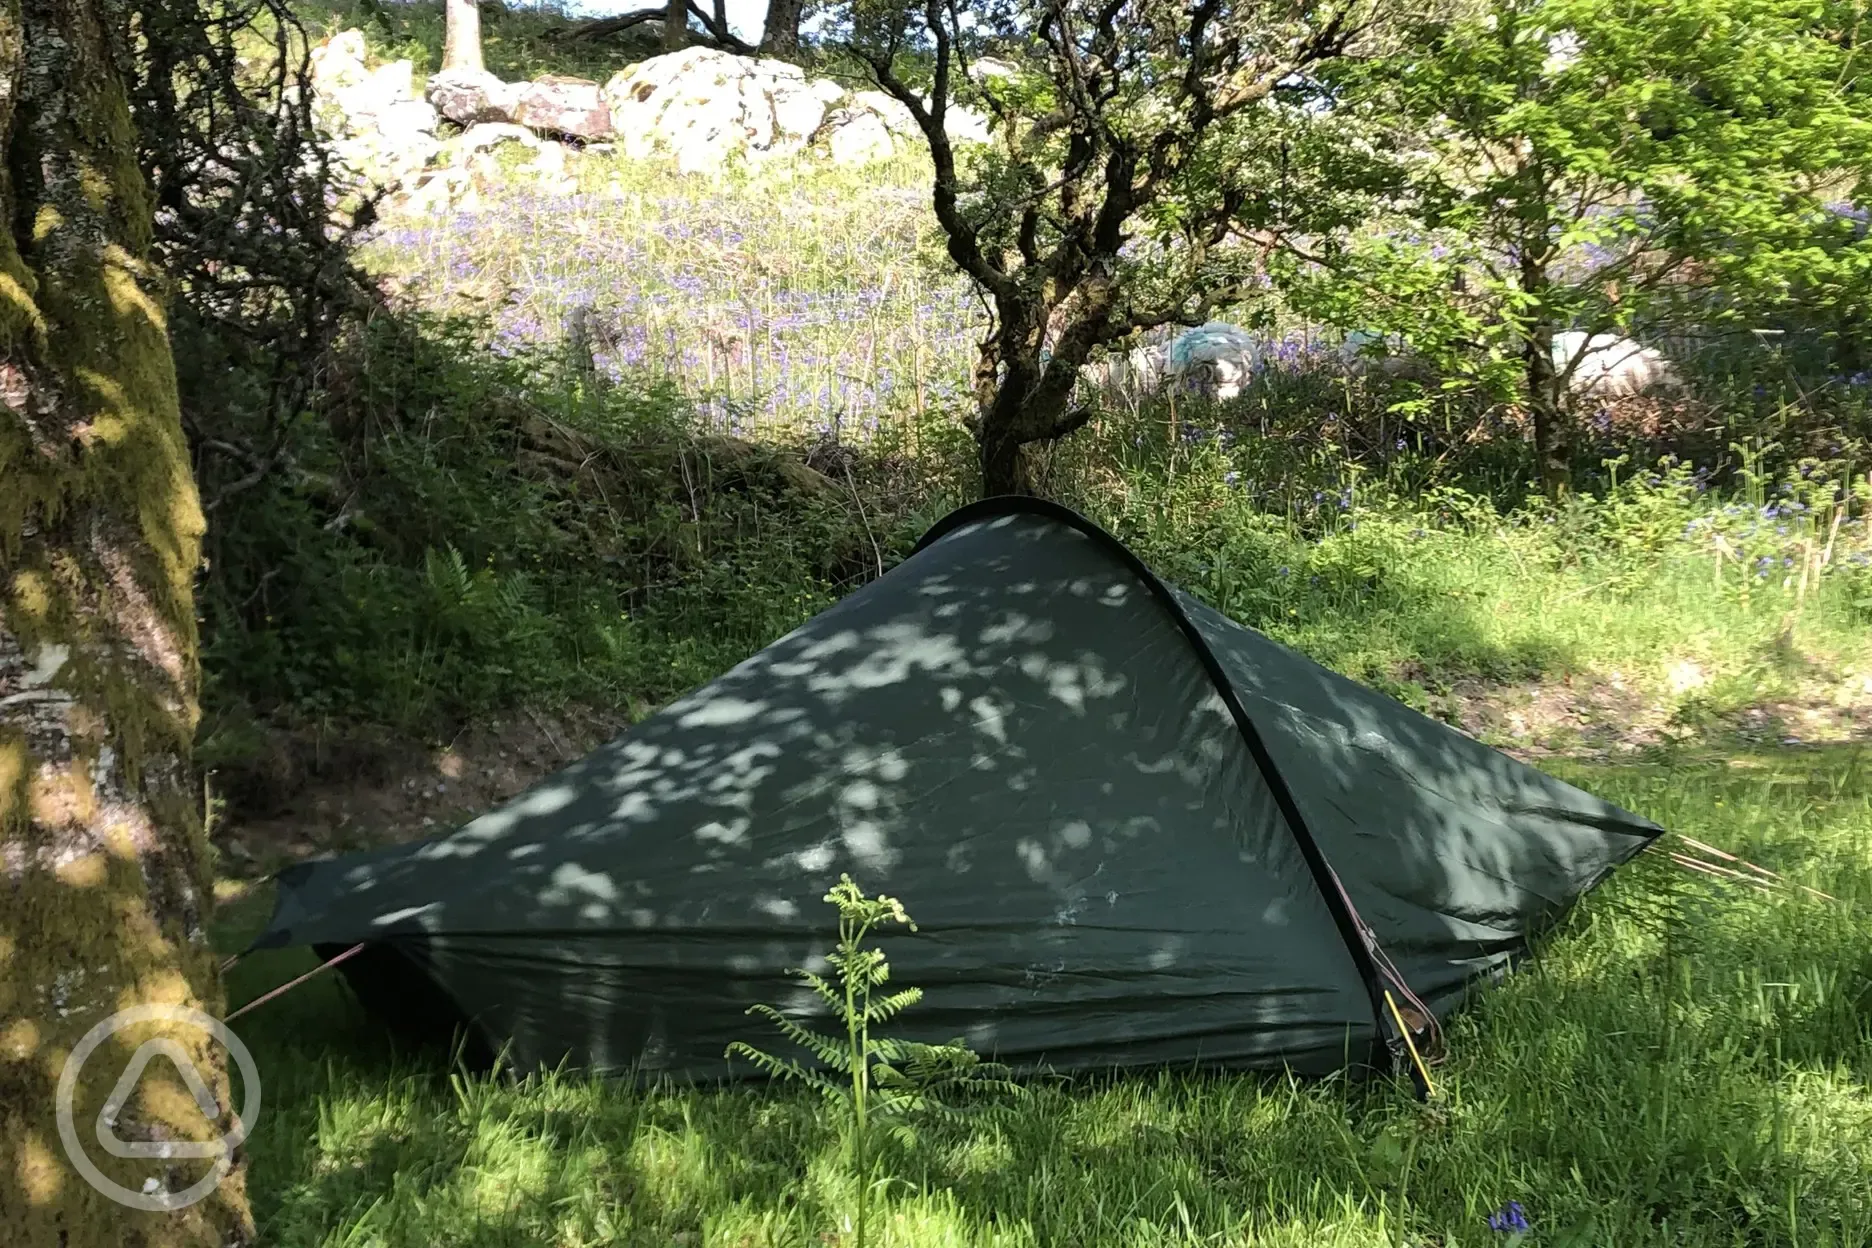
{"points": [[551, 161], [407, 119], [485, 137], [338, 62], [889, 109], [860, 138], [965, 125], [707, 107]]}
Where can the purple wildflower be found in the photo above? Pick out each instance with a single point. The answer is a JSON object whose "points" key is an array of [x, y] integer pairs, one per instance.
{"points": [[1510, 1217]]}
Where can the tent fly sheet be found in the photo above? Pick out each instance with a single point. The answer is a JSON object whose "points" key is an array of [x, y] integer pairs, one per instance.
{"points": [[1132, 832]]}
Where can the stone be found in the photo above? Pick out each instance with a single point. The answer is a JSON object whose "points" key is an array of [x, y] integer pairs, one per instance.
{"points": [[338, 62], [573, 107], [860, 137], [707, 108], [485, 137], [470, 97]]}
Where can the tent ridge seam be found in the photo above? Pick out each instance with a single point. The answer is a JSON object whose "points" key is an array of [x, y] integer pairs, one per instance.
{"points": [[1352, 931]]}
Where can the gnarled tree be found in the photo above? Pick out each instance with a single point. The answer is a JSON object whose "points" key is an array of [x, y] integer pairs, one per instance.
{"points": [[104, 888], [1134, 158]]}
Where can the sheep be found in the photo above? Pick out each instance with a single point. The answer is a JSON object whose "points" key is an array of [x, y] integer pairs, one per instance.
{"points": [[1138, 371], [1610, 367], [1213, 361]]}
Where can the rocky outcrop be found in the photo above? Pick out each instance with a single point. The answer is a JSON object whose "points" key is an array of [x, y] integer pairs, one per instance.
{"points": [[470, 97], [379, 129], [708, 110]]}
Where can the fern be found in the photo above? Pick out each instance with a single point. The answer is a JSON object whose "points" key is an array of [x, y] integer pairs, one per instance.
{"points": [[885, 1082]]}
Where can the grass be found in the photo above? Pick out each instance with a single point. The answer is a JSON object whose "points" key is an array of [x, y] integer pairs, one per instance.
{"points": [[1687, 1064]]}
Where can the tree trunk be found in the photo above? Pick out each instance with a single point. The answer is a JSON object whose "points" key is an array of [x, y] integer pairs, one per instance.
{"points": [[1024, 408], [461, 37], [1543, 379], [676, 25], [780, 36], [1543, 384], [104, 880], [1006, 464]]}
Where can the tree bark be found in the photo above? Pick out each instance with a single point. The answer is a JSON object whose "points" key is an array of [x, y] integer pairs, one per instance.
{"points": [[1543, 379], [104, 879], [461, 37], [675, 25], [1026, 406], [780, 36], [1543, 384]]}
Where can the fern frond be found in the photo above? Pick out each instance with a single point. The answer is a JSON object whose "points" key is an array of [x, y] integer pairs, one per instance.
{"points": [[887, 1008], [828, 1049], [827, 991], [781, 1068]]}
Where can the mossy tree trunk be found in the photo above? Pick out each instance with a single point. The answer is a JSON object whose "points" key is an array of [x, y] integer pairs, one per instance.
{"points": [[104, 888], [675, 25]]}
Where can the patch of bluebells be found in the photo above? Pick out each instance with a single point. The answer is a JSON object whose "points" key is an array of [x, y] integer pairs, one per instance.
{"points": [[1776, 534], [834, 327], [1511, 1218]]}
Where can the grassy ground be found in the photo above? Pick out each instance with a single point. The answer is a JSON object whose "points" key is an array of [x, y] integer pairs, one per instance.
{"points": [[1686, 1065]]}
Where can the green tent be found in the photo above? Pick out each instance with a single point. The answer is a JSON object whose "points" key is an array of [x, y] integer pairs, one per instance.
{"points": [[1132, 832]]}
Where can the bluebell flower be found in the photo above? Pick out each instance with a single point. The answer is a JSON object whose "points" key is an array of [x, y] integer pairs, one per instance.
{"points": [[1510, 1217]]}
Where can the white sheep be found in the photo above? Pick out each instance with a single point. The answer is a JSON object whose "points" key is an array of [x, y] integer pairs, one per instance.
{"points": [[1610, 367], [1214, 361], [1363, 352]]}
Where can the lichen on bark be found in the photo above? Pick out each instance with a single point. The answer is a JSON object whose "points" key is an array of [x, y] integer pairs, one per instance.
{"points": [[103, 859]]}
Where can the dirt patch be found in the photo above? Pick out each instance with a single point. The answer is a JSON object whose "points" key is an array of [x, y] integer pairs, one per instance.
{"points": [[1609, 716], [352, 792]]}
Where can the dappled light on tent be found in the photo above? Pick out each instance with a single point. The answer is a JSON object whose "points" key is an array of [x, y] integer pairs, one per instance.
{"points": [[1132, 832]]}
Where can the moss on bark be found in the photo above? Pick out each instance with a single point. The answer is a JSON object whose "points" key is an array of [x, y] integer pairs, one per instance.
{"points": [[103, 861]]}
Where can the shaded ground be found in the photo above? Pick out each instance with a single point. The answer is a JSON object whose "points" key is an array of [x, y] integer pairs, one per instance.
{"points": [[321, 799], [1603, 716]]}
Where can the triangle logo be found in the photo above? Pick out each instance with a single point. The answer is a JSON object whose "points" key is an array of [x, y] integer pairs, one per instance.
{"points": [[126, 1084]]}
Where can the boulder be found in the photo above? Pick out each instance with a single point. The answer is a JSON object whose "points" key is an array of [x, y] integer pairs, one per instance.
{"points": [[375, 94], [705, 107], [965, 125], [889, 110], [573, 107], [485, 137], [338, 62], [859, 137], [470, 97]]}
